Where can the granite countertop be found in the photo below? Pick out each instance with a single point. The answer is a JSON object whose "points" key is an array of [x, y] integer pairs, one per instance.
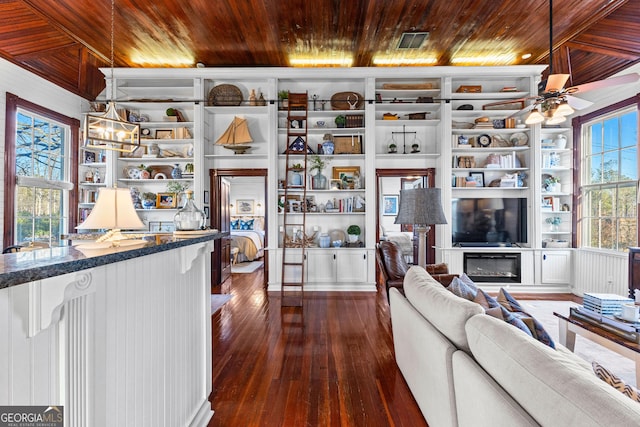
{"points": [[22, 267]]}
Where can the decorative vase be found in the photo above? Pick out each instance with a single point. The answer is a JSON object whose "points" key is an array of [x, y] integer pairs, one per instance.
{"points": [[145, 174], [296, 178], [353, 238], [176, 172], [148, 204], [319, 181], [189, 217], [327, 147], [324, 240], [554, 227]]}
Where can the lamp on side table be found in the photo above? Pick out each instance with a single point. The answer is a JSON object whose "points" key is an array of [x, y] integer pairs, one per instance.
{"points": [[422, 207]]}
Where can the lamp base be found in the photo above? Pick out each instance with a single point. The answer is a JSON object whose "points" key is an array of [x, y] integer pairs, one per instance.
{"points": [[422, 244]]}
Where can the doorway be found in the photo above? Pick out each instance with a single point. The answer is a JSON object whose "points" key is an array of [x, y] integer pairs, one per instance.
{"points": [[389, 182], [248, 202]]}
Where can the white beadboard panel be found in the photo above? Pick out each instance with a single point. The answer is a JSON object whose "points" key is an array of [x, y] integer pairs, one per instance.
{"points": [[601, 271], [33, 88], [135, 351]]}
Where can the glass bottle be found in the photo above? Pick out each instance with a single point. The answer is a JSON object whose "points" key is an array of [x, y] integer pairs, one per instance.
{"points": [[189, 217]]}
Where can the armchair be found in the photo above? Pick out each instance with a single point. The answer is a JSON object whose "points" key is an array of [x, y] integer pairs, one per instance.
{"points": [[393, 267]]}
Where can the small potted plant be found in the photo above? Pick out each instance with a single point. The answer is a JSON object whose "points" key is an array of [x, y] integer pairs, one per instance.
{"points": [[554, 222], [354, 233], [552, 184], [145, 171], [341, 121], [283, 96], [148, 200]]}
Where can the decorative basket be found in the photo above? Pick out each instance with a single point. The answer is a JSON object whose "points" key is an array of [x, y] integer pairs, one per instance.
{"points": [[225, 95]]}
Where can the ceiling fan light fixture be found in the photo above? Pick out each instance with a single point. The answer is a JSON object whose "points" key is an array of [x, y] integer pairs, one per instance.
{"points": [[534, 117], [564, 109], [553, 118]]}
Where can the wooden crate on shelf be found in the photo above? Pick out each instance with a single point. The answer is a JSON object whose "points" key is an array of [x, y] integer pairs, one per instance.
{"points": [[347, 144]]}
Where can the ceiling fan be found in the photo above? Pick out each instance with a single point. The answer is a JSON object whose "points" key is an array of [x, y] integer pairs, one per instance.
{"points": [[554, 102]]}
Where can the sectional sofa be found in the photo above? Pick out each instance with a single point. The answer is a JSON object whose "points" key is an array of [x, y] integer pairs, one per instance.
{"points": [[466, 368]]}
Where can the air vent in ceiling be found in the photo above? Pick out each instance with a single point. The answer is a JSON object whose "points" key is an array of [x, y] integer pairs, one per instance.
{"points": [[413, 40]]}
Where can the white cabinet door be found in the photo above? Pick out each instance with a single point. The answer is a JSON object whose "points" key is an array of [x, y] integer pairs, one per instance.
{"points": [[351, 266], [321, 266], [556, 267]]}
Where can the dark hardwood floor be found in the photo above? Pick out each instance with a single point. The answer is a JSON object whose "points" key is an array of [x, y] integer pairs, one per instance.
{"points": [[328, 363]]}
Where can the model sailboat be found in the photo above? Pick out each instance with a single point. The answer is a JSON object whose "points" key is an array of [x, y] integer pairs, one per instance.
{"points": [[236, 136]]}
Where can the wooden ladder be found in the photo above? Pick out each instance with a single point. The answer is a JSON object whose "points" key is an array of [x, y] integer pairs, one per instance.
{"points": [[294, 212]]}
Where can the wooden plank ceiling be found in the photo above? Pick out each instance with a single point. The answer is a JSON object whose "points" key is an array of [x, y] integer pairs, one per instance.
{"points": [[66, 41]]}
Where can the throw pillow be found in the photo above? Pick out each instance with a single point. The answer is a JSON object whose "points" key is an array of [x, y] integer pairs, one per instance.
{"points": [[506, 300], [235, 224], [246, 225], [461, 289], [494, 309], [605, 375]]}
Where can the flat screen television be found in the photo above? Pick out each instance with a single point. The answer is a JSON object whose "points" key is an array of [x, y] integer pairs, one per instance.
{"points": [[489, 222]]}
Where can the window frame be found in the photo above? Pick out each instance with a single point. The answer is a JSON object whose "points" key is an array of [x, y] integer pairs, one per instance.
{"points": [[13, 103], [578, 124]]}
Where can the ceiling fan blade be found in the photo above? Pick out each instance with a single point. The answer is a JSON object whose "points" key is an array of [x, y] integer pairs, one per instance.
{"points": [[578, 103], [524, 110], [599, 84], [555, 82]]}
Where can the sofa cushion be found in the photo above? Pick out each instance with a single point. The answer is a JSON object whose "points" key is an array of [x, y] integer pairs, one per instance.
{"points": [[552, 388], [445, 311], [462, 289], [608, 377], [513, 306], [441, 268]]}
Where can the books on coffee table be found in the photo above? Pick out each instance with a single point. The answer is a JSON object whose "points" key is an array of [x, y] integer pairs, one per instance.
{"points": [[609, 304]]}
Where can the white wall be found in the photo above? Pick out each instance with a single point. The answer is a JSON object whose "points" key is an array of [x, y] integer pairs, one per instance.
{"points": [[34, 89], [247, 188]]}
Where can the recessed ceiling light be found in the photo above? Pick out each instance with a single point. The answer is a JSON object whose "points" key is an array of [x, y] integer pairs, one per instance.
{"points": [[412, 40]]}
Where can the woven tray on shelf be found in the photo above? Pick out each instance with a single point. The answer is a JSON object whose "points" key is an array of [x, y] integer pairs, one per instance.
{"points": [[225, 95], [347, 101]]}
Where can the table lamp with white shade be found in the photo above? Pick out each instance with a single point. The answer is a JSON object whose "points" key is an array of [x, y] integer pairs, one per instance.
{"points": [[421, 207], [114, 211]]}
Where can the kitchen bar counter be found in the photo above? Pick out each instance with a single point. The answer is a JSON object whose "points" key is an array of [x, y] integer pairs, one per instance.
{"points": [[117, 336], [22, 267]]}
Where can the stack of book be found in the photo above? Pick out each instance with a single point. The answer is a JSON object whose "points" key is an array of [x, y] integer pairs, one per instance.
{"points": [[609, 304], [603, 310]]}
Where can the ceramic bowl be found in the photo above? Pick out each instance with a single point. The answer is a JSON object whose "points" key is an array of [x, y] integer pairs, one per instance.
{"points": [[336, 243]]}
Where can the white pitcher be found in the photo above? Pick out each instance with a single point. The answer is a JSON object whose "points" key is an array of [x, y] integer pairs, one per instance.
{"points": [[560, 142]]}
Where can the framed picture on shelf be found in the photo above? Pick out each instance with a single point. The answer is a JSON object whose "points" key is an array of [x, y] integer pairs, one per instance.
{"points": [[347, 175], [244, 207], [89, 157], [165, 200], [334, 184], [390, 205], [164, 134], [478, 177]]}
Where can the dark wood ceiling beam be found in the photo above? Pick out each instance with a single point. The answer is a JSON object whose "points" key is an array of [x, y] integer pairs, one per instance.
{"points": [[604, 50], [583, 26], [69, 33]]}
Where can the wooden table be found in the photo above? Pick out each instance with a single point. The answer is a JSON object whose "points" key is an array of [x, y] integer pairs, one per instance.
{"points": [[569, 326]]}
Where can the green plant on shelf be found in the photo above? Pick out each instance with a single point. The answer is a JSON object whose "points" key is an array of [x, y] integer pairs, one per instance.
{"points": [[317, 163], [553, 220], [354, 230], [149, 196]]}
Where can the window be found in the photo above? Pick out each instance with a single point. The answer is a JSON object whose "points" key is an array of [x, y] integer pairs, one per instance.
{"points": [[609, 170], [39, 187]]}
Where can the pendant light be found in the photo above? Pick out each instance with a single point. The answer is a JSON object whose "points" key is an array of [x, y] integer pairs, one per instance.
{"points": [[109, 131], [534, 117]]}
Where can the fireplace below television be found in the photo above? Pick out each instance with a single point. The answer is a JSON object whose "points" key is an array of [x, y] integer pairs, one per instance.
{"points": [[493, 267]]}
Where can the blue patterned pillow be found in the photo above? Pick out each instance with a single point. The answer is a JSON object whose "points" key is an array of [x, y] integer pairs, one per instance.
{"points": [[513, 306], [493, 308], [246, 225], [235, 224]]}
